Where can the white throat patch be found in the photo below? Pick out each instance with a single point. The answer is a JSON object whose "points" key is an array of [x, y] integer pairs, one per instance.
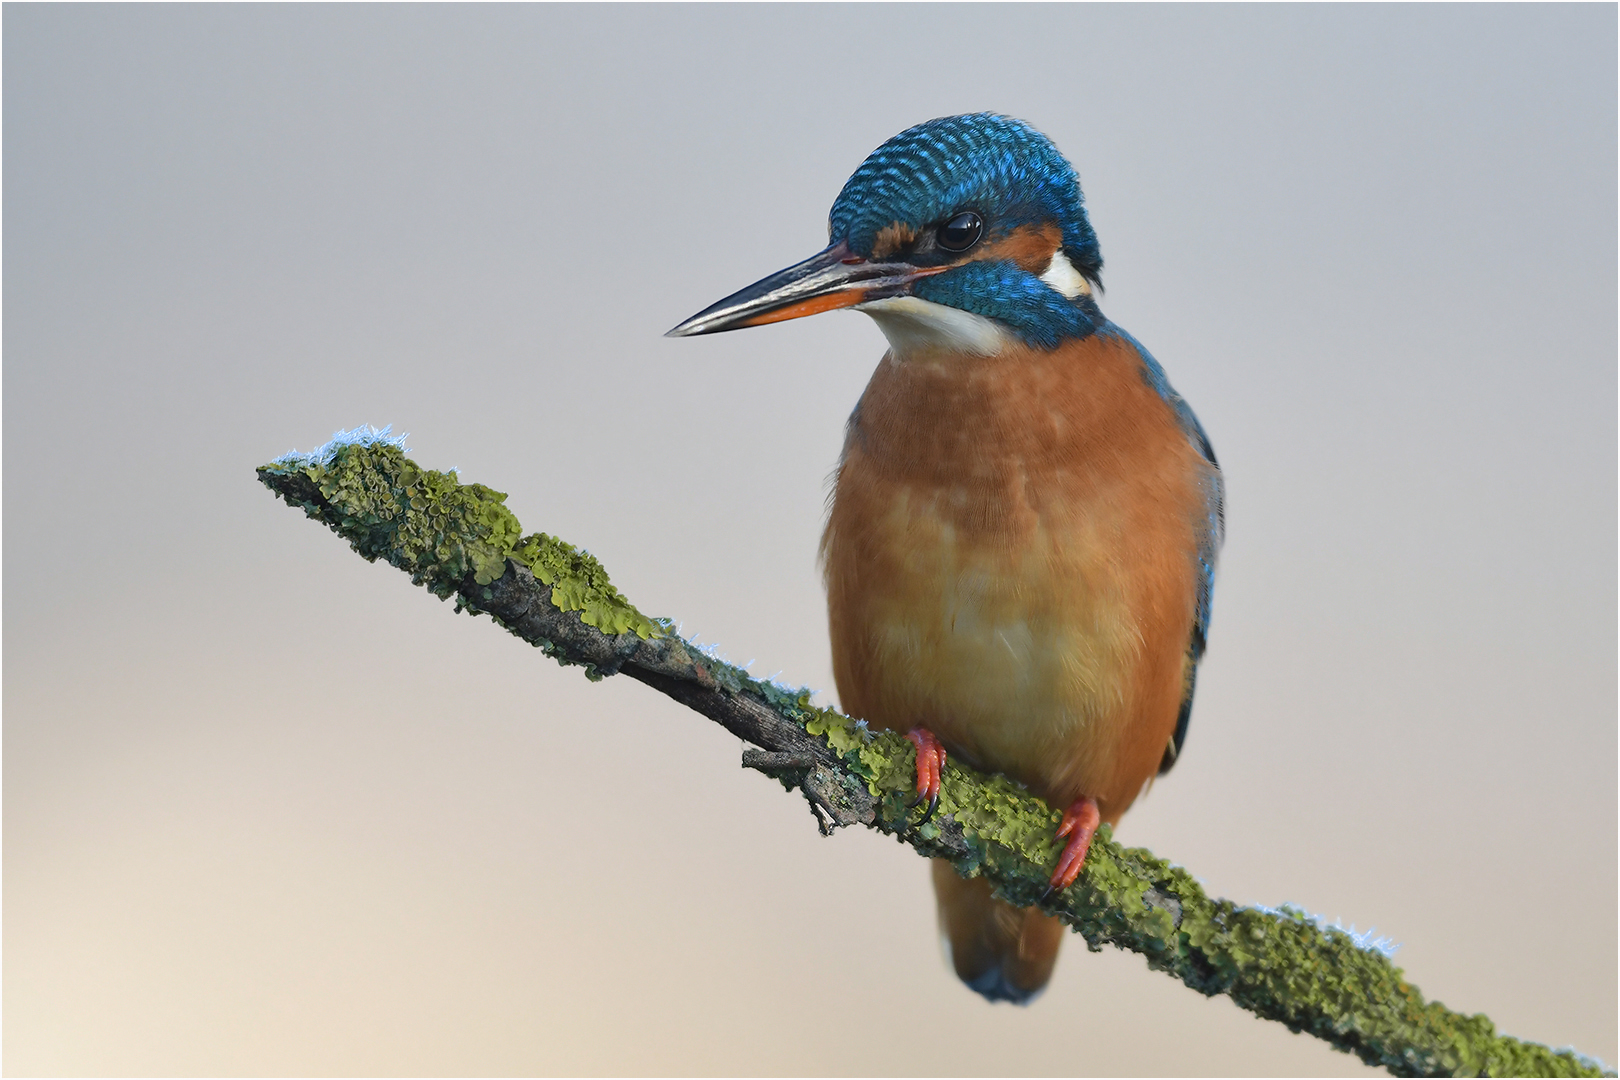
{"points": [[914, 325], [1062, 276]]}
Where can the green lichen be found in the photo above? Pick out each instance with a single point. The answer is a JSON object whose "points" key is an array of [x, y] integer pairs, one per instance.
{"points": [[847, 736], [440, 531], [1278, 963], [579, 583]]}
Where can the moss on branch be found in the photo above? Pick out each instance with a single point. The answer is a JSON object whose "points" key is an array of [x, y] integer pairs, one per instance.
{"points": [[460, 540]]}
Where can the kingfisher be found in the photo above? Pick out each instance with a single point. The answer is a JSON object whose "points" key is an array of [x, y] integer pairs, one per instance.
{"points": [[1020, 544]]}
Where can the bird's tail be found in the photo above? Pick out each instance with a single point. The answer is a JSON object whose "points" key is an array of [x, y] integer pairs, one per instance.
{"points": [[1005, 953]]}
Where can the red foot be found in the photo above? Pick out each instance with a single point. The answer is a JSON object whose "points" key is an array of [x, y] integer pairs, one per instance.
{"points": [[1079, 821], [930, 764]]}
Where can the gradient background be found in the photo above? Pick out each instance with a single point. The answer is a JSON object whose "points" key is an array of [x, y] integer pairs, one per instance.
{"points": [[269, 809]]}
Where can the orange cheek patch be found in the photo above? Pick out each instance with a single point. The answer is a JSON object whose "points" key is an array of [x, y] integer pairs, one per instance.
{"points": [[1029, 247], [815, 305]]}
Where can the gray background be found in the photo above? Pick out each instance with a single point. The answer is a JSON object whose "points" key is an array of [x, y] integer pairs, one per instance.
{"points": [[269, 809]]}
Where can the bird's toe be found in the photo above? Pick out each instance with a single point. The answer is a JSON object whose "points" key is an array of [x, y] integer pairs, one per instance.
{"points": [[930, 766], [1079, 823]]}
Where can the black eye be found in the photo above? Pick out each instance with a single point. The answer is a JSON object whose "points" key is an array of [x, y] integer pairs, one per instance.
{"points": [[961, 232]]}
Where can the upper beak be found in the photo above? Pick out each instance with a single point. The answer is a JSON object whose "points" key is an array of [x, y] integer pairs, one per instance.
{"points": [[831, 279]]}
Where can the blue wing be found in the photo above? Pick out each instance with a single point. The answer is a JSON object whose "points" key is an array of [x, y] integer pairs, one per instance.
{"points": [[1209, 546], [1209, 540]]}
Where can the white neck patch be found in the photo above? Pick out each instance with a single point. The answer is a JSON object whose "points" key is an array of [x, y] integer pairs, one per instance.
{"points": [[1062, 276], [914, 325]]}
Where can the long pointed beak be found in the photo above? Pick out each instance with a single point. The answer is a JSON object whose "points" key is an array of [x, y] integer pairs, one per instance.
{"points": [[826, 281]]}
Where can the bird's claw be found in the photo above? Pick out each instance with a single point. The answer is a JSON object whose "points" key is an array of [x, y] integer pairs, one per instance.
{"points": [[930, 766], [1079, 822]]}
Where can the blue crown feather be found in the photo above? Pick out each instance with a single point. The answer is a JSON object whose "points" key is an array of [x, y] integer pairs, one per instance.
{"points": [[999, 166]]}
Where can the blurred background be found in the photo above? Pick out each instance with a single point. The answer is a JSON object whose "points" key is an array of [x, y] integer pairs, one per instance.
{"points": [[268, 809]]}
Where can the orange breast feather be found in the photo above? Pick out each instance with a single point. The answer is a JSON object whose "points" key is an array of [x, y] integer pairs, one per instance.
{"points": [[1011, 562]]}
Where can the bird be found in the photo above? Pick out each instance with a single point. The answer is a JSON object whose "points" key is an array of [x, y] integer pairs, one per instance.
{"points": [[1020, 544]]}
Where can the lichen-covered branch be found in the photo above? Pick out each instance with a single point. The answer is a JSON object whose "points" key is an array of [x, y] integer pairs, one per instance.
{"points": [[459, 540]]}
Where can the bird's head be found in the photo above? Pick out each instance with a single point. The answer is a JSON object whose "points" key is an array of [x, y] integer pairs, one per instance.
{"points": [[955, 235]]}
